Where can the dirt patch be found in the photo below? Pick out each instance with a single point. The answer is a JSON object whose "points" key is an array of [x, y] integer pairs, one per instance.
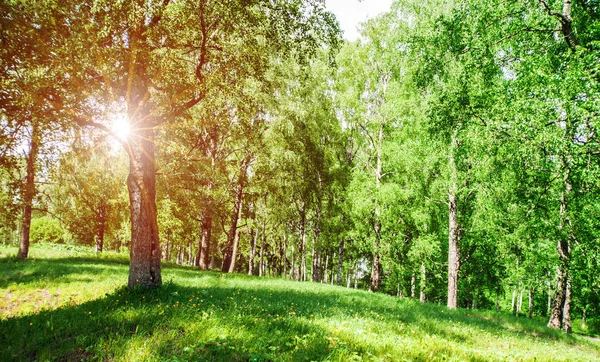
{"points": [[78, 355]]}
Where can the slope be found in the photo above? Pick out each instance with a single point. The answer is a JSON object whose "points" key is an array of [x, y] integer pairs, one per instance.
{"points": [[70, 305]]}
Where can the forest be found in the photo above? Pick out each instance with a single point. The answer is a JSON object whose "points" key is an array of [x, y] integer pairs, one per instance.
{"points": [[450, 155]]}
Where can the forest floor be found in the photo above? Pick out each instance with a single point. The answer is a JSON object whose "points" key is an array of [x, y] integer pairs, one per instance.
{"points": [[63, 304]]}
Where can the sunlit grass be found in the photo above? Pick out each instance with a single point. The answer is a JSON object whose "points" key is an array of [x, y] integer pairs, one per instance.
{"points": [[213, 316]]}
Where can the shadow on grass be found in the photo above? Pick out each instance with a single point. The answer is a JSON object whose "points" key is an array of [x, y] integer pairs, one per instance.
{"points": [[258, 320], [30, 271], [161, 324]]}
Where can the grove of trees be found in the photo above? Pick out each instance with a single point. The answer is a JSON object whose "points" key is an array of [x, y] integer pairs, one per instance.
{"points": [[450, 155]]}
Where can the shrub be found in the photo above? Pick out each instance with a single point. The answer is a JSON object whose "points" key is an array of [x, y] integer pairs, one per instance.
{"points": [[46, 229]]}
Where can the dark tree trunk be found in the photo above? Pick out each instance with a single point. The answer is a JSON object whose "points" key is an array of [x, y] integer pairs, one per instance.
{"points": [[374, 286], [313, 266], [237, 205], [280, 269], [212, 263], [28, 194], [144, 267], [317, 266]]}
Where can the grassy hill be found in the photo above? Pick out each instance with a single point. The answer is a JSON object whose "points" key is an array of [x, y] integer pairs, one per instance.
{"points": [[71, 305]]}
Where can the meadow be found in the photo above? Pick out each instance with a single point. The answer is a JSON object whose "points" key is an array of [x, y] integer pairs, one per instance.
{"points": [[67, 304]]}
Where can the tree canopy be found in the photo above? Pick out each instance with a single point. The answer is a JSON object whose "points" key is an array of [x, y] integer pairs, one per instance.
{"points": [[449, 154]]}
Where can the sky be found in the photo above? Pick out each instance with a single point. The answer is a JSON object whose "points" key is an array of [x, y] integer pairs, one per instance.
{"points": [[352, 12]]}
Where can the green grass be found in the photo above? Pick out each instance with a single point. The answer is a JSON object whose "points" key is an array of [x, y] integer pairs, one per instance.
{"points": [[71, 305]]}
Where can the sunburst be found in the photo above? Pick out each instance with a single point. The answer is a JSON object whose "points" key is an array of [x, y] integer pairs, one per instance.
{"points": [[120, 126]]}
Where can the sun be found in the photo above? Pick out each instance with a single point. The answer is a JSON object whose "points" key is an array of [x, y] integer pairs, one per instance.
{"points": [[120, 126]]}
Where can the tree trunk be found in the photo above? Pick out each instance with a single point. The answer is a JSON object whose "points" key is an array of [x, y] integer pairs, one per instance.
{"points": [[549, 308], [144, 267], [497, 301], [253, 240], [332, 273], [145, 253], [281, 266], [100, 227], [413, 282], [423, 283], [202, 261], [374, 285], [558, 304], [167, 255], [519, 303], [566, 22], [530, 310], [285, 255], [317, 267], [212, 263], [28, 194], [340, 262], [567, 307], [453, 234], [261, 265], [236, 243], [562, 296], [235, 214], [380, 100], [302, 250], [292, 267], [313, 273], [514, 298], [326, 271]]}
